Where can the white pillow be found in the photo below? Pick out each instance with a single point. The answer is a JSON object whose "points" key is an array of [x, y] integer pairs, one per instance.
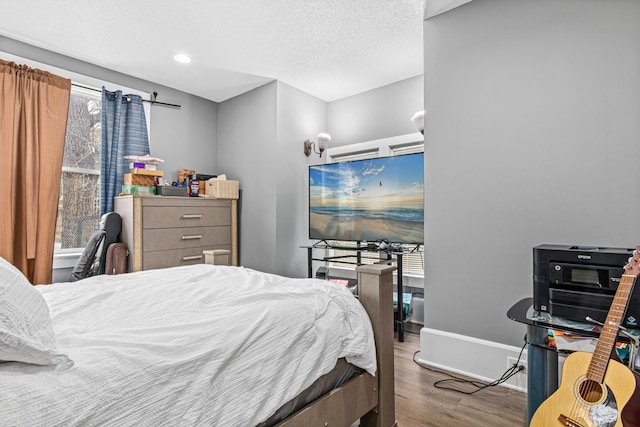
{"points": [[26, 332]]}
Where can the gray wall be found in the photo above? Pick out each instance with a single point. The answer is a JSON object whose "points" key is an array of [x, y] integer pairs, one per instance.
{"points": [[256, 138], [532, 137], [247, 152], [261, 136], [379, 113], [300, 117], [185, 138]]}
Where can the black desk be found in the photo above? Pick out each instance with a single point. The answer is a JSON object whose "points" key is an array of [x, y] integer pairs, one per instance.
{"points": [[358, 251], [542, 360]]}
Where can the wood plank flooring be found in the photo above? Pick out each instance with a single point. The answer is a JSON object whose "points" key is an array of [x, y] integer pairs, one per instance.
{"points": [[419, 403]]}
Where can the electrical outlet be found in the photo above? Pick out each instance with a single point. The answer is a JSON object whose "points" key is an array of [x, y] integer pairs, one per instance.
{"points": [[512, 361]]}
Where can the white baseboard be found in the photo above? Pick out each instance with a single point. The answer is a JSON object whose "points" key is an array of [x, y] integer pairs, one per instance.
{"points": [[469, 356]]}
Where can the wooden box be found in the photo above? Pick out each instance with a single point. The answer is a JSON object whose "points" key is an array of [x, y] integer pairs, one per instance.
{"points": [[137, 179], [144, 177], [184, 174], [150, 172]]}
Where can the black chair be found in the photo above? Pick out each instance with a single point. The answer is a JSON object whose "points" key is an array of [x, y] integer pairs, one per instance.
{"points": [[93, 259]]}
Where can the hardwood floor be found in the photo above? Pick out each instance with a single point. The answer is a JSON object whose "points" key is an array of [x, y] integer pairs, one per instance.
{"points": [[419, 403]]}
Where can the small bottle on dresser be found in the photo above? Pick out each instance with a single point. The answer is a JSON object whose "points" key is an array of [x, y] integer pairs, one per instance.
{"points": [[194, 185]]}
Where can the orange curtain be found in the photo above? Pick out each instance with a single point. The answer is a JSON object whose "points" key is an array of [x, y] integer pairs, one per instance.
{"points": [[34, 106]]}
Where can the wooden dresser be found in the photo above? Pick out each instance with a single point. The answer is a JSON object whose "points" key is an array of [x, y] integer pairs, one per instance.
{"points": [[163, 231]]}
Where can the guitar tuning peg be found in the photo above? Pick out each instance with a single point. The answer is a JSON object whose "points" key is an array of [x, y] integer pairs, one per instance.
{"points": [[594, 321]]}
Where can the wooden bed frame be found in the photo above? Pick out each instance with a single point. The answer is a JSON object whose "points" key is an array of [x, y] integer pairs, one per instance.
{"points": [[370, 399]]}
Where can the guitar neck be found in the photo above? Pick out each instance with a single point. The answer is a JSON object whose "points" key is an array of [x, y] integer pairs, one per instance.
{"points": [[600, 359]]}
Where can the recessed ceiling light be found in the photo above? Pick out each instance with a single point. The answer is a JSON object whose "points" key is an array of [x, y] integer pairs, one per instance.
{"points": [[181, 57]]}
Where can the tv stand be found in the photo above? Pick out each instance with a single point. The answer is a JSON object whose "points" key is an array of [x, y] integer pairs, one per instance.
{"points": [[359, 249], [321, 244]]}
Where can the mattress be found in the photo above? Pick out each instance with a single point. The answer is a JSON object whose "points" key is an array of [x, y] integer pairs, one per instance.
{"points": [[338, 376], [197, 345]]}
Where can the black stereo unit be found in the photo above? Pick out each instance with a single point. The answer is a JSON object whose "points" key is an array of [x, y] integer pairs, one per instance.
{"points": [[574, 282]]}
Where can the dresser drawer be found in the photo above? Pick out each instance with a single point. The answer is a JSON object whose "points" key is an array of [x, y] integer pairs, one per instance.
{"points": [[160, 231], [158, 239], [185, 216], [176, 257]]}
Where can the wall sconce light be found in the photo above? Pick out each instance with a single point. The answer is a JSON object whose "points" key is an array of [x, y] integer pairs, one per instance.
{"points": [[418, 121], [323, 142]]}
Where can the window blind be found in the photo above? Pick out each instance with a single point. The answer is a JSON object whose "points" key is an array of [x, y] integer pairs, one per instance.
{"points": [[360, 155], [411, 148], [412, 262]]}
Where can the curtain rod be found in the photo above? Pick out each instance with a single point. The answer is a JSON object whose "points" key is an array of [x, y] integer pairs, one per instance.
{"points": [[151, 101]]}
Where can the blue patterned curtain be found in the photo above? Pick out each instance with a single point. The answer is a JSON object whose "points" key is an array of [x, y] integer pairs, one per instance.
{"points": [[124, 133]]}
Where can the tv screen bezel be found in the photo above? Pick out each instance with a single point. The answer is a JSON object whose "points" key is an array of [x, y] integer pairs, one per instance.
{"points": [[325, 239]]}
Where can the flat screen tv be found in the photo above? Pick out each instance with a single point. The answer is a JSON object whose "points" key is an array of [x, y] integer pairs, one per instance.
{"points": [[368, 200]]}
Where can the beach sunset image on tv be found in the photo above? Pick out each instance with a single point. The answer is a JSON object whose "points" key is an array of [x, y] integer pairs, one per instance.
{"points": [[368, 200]]}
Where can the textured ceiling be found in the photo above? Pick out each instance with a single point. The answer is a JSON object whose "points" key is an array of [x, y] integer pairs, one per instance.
{"points": [[328, 48]]}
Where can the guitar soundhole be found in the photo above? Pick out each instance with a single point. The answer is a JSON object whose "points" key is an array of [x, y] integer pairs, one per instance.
{"points": [[591, 391]]}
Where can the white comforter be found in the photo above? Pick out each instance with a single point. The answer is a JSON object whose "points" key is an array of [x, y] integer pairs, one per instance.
{"points": [[200, 345]]}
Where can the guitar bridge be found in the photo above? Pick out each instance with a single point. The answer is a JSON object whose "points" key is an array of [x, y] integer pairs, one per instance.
{"points": [[568, 422]]}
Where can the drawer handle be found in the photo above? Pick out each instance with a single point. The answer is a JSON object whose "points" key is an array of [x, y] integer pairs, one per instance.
{"points": [[192, 237], [191, 258], [191, 216]]}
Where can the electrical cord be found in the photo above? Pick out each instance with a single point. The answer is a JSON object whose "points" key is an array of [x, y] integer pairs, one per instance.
{"points": [[479, 385]]}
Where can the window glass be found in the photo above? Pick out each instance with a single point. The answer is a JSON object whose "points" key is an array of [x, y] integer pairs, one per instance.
{"points": [[79, 203]]}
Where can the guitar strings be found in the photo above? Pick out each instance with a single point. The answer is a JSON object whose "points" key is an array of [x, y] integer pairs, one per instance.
{"points": [[578, 410], [593, 389]]}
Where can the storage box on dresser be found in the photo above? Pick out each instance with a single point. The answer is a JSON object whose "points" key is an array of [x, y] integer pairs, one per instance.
{"points": [[163, 231]]}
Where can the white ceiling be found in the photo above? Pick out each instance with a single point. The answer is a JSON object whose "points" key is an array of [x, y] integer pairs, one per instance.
{"points": [[328, 48]]}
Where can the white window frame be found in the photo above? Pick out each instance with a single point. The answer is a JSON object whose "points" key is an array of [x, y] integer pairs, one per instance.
{"points": [[403, 144], [384, 147]]}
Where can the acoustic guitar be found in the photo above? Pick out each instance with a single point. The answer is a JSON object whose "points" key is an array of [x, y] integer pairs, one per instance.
{"points": [[594, 388]]}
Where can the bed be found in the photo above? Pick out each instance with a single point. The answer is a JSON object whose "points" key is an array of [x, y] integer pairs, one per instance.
{"points": [[198, 345]]}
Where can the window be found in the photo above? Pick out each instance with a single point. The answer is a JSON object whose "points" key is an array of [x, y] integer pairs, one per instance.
{"points": [[412, 258], [409, 148], [412, 261], [79, 203], [360, 155]]}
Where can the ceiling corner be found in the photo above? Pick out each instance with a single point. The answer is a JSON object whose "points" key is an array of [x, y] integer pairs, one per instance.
{"points": [[437, 7]]}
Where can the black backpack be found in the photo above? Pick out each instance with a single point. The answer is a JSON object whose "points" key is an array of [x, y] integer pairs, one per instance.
{"points": [[93, 258]]}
